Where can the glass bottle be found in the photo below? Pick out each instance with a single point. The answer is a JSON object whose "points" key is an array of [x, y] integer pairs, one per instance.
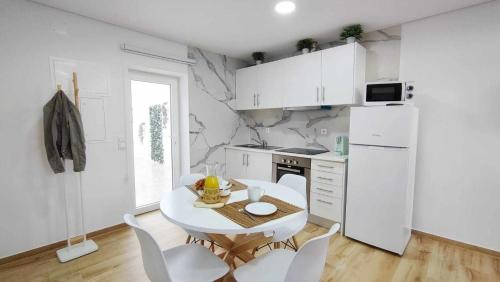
{"points": [[211, 190]]}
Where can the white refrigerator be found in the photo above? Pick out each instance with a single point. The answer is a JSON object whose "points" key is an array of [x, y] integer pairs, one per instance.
{"points": [[381, 173]]}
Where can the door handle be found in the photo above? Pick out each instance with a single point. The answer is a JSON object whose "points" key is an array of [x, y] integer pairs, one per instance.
{"points": [[324, 178], [324, 202], [317, 94], [323, 93], [324, 190], [325, 166]]}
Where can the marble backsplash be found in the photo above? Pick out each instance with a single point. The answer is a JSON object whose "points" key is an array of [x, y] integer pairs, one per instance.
{"points": [[214, 122]]}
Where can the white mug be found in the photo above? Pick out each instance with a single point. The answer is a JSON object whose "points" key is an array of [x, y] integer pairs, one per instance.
{"points": [[255, 193]]}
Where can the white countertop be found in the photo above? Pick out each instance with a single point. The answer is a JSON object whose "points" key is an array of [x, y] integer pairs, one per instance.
{"points": [[329, 156]]}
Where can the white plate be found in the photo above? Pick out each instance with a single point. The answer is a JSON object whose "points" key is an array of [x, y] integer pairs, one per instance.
{"points": [[261, 208]]}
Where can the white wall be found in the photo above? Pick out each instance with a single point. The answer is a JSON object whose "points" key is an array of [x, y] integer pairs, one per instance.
{"points": [[455, 60], [31, 197]]}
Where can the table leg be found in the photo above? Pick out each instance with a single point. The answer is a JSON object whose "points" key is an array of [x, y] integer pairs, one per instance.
{"points": [[239, 246]]}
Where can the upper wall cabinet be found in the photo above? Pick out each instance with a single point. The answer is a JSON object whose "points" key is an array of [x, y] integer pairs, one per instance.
{"points": [[246, 88], [334, 76], [302, 80], [343, 74]]}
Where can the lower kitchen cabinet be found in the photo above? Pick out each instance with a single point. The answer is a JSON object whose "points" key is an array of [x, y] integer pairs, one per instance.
{"points": [[248, 165], [327, 192]]}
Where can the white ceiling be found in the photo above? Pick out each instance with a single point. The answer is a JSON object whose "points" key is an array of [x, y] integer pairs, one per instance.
{"points": [[239, 27]]}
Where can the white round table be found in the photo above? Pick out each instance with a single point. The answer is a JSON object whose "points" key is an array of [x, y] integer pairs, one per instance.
{"points": [[177, 207]]}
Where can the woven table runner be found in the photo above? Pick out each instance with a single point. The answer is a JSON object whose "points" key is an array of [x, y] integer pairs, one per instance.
{"points": [[231, 211], [237, 186]]}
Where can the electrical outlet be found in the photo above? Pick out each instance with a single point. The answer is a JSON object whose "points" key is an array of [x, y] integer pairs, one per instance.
{"points": [[268, 130], [323, 131]]}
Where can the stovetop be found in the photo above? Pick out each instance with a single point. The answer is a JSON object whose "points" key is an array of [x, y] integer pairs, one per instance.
{"points": [[303, 151]]}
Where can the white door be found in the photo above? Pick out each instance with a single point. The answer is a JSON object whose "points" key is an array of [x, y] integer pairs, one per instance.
{"points": [[303, 80], [236, 164], [382, 126], [376, 196], [270, 85], [246, 88], [259, 166], [337, 73], [152, 136]]}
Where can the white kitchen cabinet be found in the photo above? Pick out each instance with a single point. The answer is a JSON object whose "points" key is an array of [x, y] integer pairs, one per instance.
{"points": [[248, 165], [246, 88], [343, 74], [334, 76], [259, 166], [235, 164], [327, 192], [270, 85], [302, 80]]}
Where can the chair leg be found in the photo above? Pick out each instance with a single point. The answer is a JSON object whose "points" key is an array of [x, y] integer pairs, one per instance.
{"points": [[253, 251], [203, 242], [295, 243], [277, 245], [188, 239], [212, 247]]}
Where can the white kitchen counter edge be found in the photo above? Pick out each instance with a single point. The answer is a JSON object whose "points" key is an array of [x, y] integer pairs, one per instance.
{"points": [[330, 156]]}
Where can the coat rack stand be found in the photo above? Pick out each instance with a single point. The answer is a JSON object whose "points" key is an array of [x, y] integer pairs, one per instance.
{"points": [[73, 251]]}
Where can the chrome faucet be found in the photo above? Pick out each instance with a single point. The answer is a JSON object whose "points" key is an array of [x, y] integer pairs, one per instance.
{"points": [[264, 143]]}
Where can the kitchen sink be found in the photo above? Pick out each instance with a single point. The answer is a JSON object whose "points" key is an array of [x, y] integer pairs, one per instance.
{"points": [[258, 146]]}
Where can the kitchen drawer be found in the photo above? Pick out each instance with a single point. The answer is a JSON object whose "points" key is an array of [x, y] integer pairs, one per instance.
{"points": [[326, 207], [336, 191], [332, 167], [327, 178]]}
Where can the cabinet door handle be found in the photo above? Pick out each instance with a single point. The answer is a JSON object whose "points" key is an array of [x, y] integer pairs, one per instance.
{"points": [[325, 166], [254, 99], [325, 190], [243, 160], [324, 202], [323, 93], [317, 94], [324, 178], [247, 159], [258, 100]]}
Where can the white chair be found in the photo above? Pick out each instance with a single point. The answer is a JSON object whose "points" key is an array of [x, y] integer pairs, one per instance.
{"points": [[299, 184], [183, 263], [196, 236], [283, 265]]}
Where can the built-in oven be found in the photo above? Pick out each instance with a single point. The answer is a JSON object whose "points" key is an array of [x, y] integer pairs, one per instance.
{"points": [[283, 164]]}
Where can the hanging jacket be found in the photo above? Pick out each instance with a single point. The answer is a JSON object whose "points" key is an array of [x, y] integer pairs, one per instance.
{"points": [[63, 133]]}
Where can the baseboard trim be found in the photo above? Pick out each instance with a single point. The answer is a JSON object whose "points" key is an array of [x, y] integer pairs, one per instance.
{"points": [[60, 244], [456, 243]]}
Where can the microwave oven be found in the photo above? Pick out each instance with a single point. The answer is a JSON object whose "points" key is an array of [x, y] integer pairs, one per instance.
{"points": [[388, 92]]}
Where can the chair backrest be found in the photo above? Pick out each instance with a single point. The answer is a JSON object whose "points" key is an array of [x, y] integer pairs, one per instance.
{"points": [[296, 182], [310, 259], [190, 179], [152, 256]]}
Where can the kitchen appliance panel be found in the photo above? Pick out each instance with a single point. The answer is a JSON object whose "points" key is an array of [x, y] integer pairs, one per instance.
{"points": [[376, 200], [382, 126]]}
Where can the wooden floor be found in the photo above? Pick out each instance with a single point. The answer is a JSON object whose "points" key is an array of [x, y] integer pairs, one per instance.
{"points": [[119, 259]]}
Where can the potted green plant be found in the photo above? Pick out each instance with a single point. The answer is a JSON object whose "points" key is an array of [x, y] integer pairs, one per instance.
{"points": [[258, 57], [305, 45], [351, 33]]}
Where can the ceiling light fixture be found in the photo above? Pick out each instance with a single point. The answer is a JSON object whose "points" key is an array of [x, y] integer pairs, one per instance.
{"points": [[284, 7]]}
